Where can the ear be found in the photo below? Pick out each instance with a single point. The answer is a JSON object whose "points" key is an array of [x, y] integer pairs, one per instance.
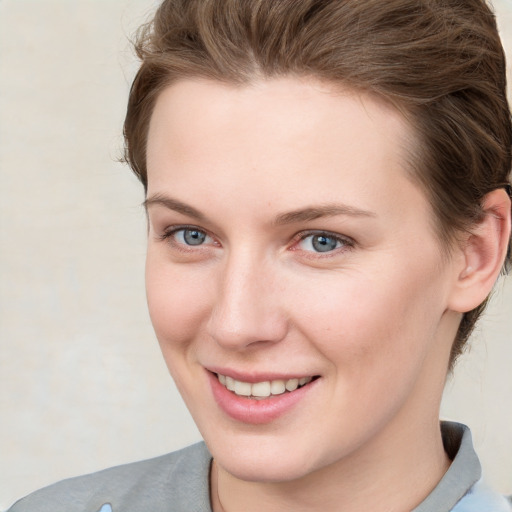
{"points": [[483, 254]]}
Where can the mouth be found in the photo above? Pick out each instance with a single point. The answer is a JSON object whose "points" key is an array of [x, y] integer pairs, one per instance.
{"points": [[258, 400], [264, 389]]}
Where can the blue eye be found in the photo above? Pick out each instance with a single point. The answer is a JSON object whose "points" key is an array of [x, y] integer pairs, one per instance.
{"points": [[321, 242], [190, 236]]}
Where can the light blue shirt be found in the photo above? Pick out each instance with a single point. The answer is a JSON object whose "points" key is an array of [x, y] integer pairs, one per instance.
{"points": [[481, 498]]}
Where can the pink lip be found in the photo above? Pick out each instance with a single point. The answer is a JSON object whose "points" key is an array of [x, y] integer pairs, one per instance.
{"points": [[256, 412]]}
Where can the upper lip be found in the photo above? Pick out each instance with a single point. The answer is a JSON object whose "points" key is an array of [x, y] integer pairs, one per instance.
{"points": [[259, 376]]}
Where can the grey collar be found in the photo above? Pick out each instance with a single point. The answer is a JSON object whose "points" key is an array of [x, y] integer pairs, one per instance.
{"points": [[463, 473]]}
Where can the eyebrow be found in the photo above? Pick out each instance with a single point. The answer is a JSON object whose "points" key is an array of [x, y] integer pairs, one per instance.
{"points": [[301, 215], [317, 212], [173, 204]]}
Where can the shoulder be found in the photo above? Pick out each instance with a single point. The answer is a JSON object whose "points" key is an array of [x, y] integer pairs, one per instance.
{"points": [[179, 478]]}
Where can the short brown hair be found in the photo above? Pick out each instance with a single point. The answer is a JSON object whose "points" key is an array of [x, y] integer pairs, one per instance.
{"points": [[440, 62]]}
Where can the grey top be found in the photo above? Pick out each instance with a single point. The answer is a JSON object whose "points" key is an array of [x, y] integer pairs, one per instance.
{"points": [[179, 482]]}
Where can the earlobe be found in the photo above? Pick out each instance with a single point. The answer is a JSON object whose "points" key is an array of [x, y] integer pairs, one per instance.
{"points": [[484, 253]]}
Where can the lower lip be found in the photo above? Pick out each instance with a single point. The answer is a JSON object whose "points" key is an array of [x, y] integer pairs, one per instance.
{"points": [[256, 412]]}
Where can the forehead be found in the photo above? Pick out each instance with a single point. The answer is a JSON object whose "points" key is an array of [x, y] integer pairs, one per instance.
{"points": [[301, 136], [282, 106]]}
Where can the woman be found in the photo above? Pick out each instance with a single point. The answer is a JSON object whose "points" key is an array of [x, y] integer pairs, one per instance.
{"points": [[328, 200]]}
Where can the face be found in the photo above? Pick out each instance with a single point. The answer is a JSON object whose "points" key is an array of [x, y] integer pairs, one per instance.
{"points": [[294, 280]]}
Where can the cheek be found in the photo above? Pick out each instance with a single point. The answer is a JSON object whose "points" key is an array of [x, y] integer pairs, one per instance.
{"points": [[375, 337], [177, 301], [379, 322]]}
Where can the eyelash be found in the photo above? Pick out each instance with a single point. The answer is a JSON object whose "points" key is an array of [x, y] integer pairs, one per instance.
{"points": [[347, 243]]}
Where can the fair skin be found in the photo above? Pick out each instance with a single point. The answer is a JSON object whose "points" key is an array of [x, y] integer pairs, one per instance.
{"points": [[278, 248]]}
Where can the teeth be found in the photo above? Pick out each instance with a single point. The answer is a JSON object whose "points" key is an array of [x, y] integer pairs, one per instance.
{"points": [[242, 388], [277, 387], [292, 384], [230, 383], [262, 389]]}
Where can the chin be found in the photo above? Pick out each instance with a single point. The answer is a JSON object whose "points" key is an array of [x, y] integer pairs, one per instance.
{"points": [[264, 471], [264, 459]]}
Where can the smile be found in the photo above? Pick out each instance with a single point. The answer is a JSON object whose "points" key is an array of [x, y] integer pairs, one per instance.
{"points": [[264, 389]]}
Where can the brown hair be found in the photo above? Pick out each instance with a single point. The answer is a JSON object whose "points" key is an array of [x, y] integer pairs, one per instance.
{"points": [[440, 62]]}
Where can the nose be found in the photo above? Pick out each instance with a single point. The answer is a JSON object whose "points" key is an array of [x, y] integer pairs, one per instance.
{"points": [[247, 311]]}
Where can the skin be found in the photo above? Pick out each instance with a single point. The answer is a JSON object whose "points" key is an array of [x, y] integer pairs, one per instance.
{"points": [[374, 318]]}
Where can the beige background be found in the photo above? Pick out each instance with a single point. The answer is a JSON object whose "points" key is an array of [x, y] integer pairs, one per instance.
{"points": [[82, 383]]}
